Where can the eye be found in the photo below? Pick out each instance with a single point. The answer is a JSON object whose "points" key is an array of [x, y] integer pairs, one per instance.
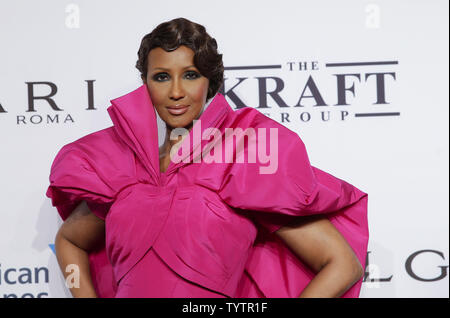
{"points": [[192, 75], [160, 77]]}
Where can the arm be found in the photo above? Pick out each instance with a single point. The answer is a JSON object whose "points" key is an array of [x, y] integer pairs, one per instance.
{"points": [[319, 244], [77, 236]]}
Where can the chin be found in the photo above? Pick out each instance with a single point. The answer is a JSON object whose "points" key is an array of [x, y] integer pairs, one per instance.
{"points": [[179, 123]]}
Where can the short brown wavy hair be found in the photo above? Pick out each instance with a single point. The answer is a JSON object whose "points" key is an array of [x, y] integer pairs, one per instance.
{"points": [[171, 34]]}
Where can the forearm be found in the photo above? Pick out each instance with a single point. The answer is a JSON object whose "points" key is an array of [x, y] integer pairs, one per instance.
{"points": [[333, 280], [67, 254]]}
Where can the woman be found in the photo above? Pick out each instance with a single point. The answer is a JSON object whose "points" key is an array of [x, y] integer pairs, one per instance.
{"points": [[189, 219]]}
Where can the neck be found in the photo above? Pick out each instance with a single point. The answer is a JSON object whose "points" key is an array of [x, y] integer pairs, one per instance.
{"points": [[164, 150]]}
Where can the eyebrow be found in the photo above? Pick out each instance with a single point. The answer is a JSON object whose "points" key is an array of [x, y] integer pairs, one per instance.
{"points": [[166, 69]]}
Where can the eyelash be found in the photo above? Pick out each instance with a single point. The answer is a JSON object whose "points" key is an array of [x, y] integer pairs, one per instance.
{"points": [[157, 77]]}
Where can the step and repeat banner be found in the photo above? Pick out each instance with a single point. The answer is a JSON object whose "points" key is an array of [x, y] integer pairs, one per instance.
{"points": [[363, 83]]}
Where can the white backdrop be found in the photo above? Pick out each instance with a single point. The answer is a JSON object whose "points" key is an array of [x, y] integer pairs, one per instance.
{"points": [[400, 157]]}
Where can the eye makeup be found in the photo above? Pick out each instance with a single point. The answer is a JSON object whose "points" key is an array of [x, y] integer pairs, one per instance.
{"points": [[163, 76]]}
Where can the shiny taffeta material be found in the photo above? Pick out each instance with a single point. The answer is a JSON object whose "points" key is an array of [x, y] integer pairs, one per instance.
{"points": [[211, 223]]}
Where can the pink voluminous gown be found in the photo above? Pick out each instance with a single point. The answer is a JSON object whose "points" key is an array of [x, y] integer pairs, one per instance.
{"points": [[203, 228]]}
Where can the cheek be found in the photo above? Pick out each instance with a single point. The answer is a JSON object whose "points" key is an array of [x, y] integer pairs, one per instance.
{"points": [[200, 91], [157, 94]]}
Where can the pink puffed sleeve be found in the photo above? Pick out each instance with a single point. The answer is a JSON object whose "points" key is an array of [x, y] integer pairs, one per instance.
{"points": [[273, 200], [74, 177]]}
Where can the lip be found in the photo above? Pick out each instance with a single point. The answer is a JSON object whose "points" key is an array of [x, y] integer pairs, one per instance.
{"points": [[177, 109]]}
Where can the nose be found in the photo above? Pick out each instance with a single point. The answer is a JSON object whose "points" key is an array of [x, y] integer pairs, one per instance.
{"points": [[177, 90]]}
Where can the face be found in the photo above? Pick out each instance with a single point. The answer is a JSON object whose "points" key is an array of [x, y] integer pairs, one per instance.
{"points": [[176, 87]]}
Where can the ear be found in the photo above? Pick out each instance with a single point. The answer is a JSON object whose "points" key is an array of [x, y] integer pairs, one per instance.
{"points": [[144, 80]]}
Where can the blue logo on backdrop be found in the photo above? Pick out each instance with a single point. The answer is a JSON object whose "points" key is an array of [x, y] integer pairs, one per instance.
{"points": [[23, 276], [12, 276]]}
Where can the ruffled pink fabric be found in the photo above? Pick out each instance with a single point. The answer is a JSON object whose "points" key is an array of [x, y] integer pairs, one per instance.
{"points": [[211, 223]]}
